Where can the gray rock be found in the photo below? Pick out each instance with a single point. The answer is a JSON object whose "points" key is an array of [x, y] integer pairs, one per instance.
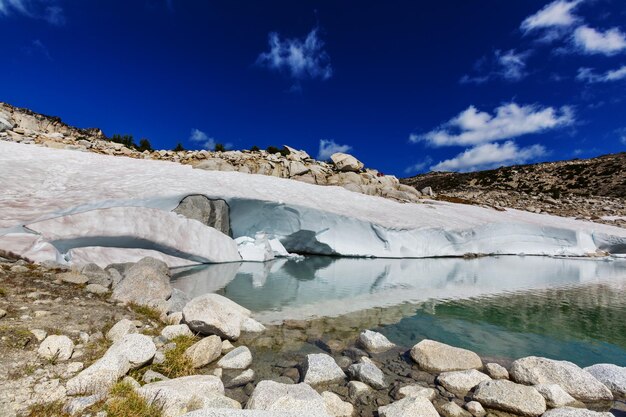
{"points": [[6, 122], [409, 407], [96, 289], [145, 282], [205, 351], [461, 382], [496, 371], [76, 406], [39, 334], [416, 391], [208, 412], [357, 388], [612, 376], [243, 378], [56, 347], [374, 342], [510, 397], [175, 330], [274, 396], [181, 395], [152, 376], [335, 406], [213, 314], [368, 373], [438, 357], [556, 396], [96, 275], [451, 409], [138, 349], [177, 301], [575, 412], [121, 329], [576, 382], [238, 358], [213, 213], [73, 278], [320, 368], [476, 409]]}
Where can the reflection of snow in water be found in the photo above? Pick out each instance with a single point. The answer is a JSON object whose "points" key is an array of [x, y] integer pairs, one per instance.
{"points": [[324, 286]]}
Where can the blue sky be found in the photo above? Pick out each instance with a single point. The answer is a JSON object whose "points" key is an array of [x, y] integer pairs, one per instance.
{"points": [[405, 86]]}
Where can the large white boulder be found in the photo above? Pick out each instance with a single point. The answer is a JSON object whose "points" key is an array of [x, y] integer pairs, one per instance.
{"points": [[346, 162], [274, 396], [508, 396], [146, 283], [438, 357], [409, 407], [461, 382], [613, 376], [213, 314], [577, 382], [56, 347]]}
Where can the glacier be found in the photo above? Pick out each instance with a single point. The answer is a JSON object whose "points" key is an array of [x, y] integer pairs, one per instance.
{"points": [[70, 206]]}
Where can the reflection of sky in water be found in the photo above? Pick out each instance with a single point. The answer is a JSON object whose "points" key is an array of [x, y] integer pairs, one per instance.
{"points": [[501, 306]]}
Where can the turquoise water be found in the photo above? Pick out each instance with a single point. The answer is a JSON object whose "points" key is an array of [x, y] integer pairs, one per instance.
{"points": [[505, 307]]}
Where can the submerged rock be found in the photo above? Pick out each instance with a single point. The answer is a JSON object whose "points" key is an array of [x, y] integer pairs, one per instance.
{"points": [[368, 373], [374, 342]]}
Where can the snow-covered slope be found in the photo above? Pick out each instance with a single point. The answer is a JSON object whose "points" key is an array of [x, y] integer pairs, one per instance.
{"points": [[40, 184]]}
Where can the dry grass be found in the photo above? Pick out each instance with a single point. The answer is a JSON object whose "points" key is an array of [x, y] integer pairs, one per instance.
{"points": [[54, 409], [15, 337], [125, 402], [145, 311], [176, 363], [3, 292]]}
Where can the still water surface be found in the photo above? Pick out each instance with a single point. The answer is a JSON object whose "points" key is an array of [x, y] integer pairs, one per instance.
{"points": [[505, 307]]}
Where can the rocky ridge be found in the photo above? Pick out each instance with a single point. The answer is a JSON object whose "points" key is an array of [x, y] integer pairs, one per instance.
{"points": [[591, 189], [27, 127], [47, 365]]}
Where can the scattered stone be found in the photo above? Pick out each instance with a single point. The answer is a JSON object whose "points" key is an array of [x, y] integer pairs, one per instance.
{"points": [[335, 406], [2, 313], [39, 334], [172, 331], [227, 346], [451, 409], [374, 342], [409, 407], [612, 376], [77, 405], [274, 396], [357, 388], [146, 282], [177, 301], [152, 376], [320, 368], [476, 409], [96, 289], [576, 382], [368, 373], [96, 275], [241, 379], [461, 382], [121, 329], [56, 347], [416, 391], [438, 357], [496, 371], [73, 278], [555, 396], [205, 351], [214, 314], [575, 412], [238, 358], [181, 395], [510, 397]]}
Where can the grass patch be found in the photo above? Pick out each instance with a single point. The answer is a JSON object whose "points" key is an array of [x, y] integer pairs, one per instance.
{"points": [[125, 402], [145, 311], [15, 337], [176, 363], [54, 409], [3, 292]]}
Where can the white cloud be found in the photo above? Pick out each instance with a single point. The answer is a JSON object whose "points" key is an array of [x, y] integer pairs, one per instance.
{"points": [[200, 137], [508, 65], [588, 75], [557, 14], [38, 9], [490, 155], [473, 127], [591, 41], [329, 147], [300, 58], [419, 167]]}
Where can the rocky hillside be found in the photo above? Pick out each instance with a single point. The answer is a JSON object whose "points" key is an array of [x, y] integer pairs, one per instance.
{"points": [[593, 189], [25, 126]]}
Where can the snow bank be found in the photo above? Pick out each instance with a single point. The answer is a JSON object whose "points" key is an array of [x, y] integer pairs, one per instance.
{"points": [[43, 184]]}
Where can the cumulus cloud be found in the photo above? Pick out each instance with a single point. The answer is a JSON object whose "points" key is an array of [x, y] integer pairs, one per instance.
{"points": [[490, 155], [419, 167], [473, 127], [199, 136], [298, 58], [46, 10], [507, 65], [329, 147], [555, 15], [590, 41], [588, 75]]}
